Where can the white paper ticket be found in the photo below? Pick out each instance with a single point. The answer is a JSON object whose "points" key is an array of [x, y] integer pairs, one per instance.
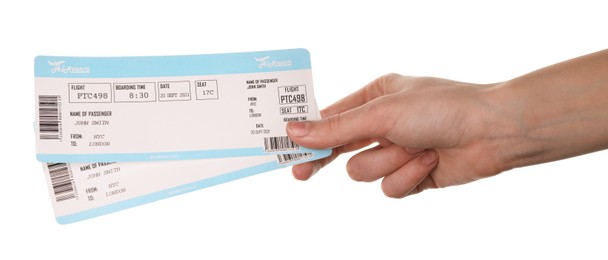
{"points": [[124, 109], [80, 191]]}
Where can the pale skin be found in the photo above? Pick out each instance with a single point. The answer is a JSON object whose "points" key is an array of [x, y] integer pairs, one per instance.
{"points": [[434, 133]]}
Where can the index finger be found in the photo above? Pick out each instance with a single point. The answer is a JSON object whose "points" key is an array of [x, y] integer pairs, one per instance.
{"points": [[379, 87]]}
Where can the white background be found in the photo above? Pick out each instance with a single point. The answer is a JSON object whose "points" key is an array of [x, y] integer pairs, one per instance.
{"points": [[545, 211]]}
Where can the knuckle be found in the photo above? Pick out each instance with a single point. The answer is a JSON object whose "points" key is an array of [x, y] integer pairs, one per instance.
{"points": [[334, 121], [333, 124], [377, 113], [389, 78], [379, 86]]}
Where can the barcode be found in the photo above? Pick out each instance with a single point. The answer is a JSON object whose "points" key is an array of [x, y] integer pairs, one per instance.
{"points": [[48, 117], [279, 143], [62, 181], [292, 157]]}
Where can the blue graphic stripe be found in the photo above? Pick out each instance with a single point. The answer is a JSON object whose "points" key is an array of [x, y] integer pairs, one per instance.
{"points": [[143, 157], [163, 156], [159, 66]]}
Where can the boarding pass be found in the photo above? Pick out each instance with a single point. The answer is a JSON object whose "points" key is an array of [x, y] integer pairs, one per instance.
{"points": [[117, 109], [81, 191]]}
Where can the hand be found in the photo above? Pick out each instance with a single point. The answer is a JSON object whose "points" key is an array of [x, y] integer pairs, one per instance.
{"points": [[435, 133], [430, 132]]}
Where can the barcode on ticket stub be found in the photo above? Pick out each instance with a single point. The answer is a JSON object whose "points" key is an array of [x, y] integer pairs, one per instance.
{"points": [[62, 181], [49, 117], [292, 157], [279, 143], [171, 107]]}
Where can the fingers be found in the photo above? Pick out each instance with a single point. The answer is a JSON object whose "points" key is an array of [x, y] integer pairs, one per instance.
{"points": [[299, 131], [405, 179], [427, 183], [405, 174], [378, 162], [361, 123], [379, 87], [305, 170]]}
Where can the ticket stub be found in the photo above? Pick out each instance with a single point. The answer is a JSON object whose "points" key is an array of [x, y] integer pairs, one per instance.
{"points": [[117, 109], [80, 191]]}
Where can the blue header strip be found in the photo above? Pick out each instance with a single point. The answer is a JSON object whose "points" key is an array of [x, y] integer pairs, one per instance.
{"points": [[160, 66]]}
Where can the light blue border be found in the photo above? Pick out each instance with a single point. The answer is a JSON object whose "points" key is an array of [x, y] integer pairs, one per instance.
{"points": [[181, 189], [161, 66], [164, 156]]}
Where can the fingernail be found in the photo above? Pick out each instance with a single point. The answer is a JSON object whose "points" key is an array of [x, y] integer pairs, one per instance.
{"points": [[298, 128], [429, 157]]}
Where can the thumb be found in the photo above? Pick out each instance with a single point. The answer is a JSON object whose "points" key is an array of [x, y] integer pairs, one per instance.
{"points": [[357, 124]]}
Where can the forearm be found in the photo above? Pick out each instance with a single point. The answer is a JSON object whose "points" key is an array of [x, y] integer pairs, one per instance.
{"points": [[556, 112]]}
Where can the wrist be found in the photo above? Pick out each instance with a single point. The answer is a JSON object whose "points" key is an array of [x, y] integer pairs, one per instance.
{"points": [[505, 132], [552, 113]]}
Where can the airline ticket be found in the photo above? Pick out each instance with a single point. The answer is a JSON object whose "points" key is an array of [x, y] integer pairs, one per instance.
{"points": [[81, 191], [126, 109]]}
